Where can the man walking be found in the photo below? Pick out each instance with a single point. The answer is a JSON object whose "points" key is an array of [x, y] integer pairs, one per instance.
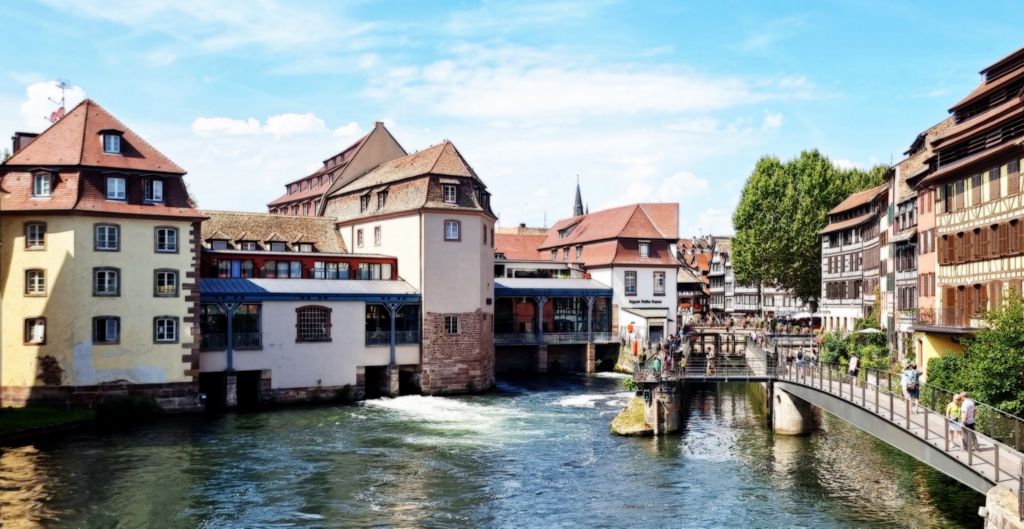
{"points": [[967, 413]]}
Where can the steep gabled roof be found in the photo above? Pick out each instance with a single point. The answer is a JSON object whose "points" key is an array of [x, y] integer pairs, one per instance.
{"points": [[518, 247], [638, 221], [75, 141], [442, 159], [347, 154]]}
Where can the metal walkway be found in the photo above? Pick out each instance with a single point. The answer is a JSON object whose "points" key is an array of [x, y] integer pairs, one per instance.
{"points": [[873, 402]]}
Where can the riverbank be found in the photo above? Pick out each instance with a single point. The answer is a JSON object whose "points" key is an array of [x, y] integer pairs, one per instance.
{"points": [[22, 423]]}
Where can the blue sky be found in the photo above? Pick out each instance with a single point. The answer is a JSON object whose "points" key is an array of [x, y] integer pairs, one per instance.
{"points": [[651, 101]]}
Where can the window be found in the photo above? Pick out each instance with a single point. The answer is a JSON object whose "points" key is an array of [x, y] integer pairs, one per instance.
{"points": [[106, 282], [167, 240], [35, 282], [554, 255], [382, 198], [322, 270], [305, 209], [35, 236], [278, 247], [376, 235], [154, 190], [165, 283], [452, 230], [218, 244], [35, 331], [451, 324], [359, 238], [659, 283], [41, 184], [108, 238], [629, 282], [565, 254], [248, 246], [451, 193], [106, 329], [645, 249], [374, 271], [312, 324], [579, 252], [364, 202], [115, 188], [165, 329], [112, 143], [246, 268]]}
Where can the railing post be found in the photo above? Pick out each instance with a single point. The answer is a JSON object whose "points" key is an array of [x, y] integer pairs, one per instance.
{"points": [[830, 379], [892, 412], [878, 382], [997, 464], [820, 384], [926, 412], [906, 412], [864, 391], [945, 421], [970, 449]]}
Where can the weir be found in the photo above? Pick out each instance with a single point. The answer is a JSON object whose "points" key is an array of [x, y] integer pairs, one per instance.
{"points": [[797, 393]]}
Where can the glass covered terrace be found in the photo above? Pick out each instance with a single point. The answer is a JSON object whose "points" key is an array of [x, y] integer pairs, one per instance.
{"points": [[552, 311]]}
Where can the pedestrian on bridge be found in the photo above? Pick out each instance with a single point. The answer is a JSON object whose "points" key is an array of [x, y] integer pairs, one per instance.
{"points": [[953, 416], [854, 366], [967, 411], [911, 380]]}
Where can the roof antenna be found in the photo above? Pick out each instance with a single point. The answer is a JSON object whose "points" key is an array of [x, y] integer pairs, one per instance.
{"points": [[545, 218], [59, 113]]}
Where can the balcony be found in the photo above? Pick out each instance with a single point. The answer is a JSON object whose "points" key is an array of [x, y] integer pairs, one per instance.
{"points": [[244, 341], [951, 317], [384, 337]]}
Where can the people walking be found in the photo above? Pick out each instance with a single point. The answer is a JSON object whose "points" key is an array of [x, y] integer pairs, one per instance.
{"points": [[953, 416], [913, 386], [967, 413], [854, 367]]}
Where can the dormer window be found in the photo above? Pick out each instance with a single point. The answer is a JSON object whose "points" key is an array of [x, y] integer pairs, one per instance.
{"points": [[278, 247], [115, 188], [112, 142], [219, 244], [364, 202], [250, 246], [41, 183], [154, 190], [645, 249], [305, 247], [451, 193], [382, 198]]}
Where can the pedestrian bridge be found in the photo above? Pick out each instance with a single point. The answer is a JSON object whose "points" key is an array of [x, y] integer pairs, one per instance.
{"points": [[873, 402]]}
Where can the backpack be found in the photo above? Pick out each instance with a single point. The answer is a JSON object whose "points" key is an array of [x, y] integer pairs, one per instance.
{"points": [[912, 379]]}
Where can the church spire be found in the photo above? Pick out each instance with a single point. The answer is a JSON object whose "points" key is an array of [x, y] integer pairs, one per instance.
{"points": [[577, 209]]}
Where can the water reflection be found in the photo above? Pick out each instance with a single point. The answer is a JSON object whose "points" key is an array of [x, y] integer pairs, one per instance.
{"points": [[538, 454]]}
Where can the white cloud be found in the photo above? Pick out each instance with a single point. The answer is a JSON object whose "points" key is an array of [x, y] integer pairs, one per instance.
{"points": [[227, 24], [526, 84], [712, 221], [277, 126], [843, 163], [771, 121], [39, 102], [350, 130], [767, 35]]}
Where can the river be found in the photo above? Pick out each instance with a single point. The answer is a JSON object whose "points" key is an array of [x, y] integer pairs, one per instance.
{"points": [[535, 454]]}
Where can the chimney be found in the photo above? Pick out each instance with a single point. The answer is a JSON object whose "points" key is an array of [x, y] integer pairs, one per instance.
{"points": [[522, 224], [20, 140]]}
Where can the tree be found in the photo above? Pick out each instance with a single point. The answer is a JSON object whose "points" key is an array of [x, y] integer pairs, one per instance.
{"points": [[5, 155], [995, 357], [783, 208]]}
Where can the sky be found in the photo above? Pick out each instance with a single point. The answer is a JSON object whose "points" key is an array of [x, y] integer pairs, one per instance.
{"points": [[642, 101]]}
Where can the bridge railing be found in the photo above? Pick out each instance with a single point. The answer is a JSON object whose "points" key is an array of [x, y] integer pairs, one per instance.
{"points": [[880, 392]]}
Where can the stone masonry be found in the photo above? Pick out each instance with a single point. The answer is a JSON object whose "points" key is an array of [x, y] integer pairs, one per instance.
{"points": [[457, 363]]}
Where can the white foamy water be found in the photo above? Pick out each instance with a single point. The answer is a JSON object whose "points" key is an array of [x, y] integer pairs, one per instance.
{"points": [[449, 421], [592, 401], [611, 374]]}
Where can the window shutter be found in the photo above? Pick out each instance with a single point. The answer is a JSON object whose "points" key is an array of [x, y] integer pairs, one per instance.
{"points": [[968, 246], [995, 293], [993, 240], [976, 190], [1013, 178], [993, 184], [982, 304], [1004, 238]]}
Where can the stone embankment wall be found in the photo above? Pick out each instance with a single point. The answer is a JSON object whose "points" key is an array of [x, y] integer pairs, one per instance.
{"points": [[1001, 509]]}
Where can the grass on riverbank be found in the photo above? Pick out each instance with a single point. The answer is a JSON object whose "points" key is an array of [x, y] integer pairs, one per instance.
{"points": [[630, 421], [16, 420]]}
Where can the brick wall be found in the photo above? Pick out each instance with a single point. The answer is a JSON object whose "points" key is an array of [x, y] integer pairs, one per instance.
{"points": [[178, 396], [457, 363]]}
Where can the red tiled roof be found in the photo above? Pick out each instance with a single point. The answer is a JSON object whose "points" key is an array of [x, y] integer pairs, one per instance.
{"points": [[849, 223], [515, 246], [858, 199], [71, 151], [75, 140], [441, 159], [703, 262], [641, 221], [346, 156]]}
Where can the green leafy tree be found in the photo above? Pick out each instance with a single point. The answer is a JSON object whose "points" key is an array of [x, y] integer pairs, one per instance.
{"points": [[995, 357], [5, 155], [783, 207]]}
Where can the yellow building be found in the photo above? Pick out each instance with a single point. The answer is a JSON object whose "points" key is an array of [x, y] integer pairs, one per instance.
{"points": [[97, 267]]}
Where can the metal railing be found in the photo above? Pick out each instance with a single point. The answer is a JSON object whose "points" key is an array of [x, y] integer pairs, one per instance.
{"points": [[990, 448], [384, 337], [242, 341], [529, 338]]}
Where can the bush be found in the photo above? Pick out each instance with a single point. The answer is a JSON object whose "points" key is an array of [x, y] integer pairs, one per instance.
{"points": [[833, 348], [630, 385], [948, 372]]}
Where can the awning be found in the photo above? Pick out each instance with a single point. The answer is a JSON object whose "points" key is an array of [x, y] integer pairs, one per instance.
{"points": [[903, 236], [515, 287], [649, 314]]}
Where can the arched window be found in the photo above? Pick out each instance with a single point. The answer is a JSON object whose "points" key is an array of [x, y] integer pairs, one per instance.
{"points": [[312, 324]]}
